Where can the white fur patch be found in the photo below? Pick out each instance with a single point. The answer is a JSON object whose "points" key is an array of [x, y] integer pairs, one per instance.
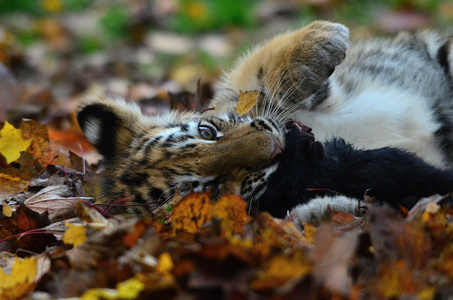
{"points": [[314, 211], [376, 118], [92, 130]]}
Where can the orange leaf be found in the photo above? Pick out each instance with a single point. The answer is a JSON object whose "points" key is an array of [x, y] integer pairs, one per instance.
{"points": [[280, 269], [231, 210], [41, 147], [11, 185], [191, 213]]}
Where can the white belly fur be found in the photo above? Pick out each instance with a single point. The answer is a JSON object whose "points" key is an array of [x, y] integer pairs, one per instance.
{"points": [[377, 118]]}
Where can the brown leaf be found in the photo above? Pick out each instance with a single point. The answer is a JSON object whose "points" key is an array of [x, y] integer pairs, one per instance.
{"points": [[332, 257], [41, 147], [55, 200]]}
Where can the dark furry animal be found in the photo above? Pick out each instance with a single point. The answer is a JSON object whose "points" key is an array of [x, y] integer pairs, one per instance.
{"points": [[310, 169]]}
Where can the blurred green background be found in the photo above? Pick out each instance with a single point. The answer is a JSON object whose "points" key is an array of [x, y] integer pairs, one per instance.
{"points": [[60, 51]]}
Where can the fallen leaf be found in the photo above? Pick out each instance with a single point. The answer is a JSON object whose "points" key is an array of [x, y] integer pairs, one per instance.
{"points": [[165, 264], [22, 230], [45, 151], [75, 234], [7, 210], [191, 213], [281, 268], [232, 211], [247, 101], [12, 142], [20, 281]]}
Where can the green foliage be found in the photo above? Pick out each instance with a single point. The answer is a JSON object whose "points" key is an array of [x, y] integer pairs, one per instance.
{"points": [[26, 6], [36, 7], [204, 15], [77, 5], [116, 21], [89, 44]]}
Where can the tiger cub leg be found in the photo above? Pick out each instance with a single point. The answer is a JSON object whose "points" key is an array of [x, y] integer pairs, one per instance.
{"points": [[289, 68]]}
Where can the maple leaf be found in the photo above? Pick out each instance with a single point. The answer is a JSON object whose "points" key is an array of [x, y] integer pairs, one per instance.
{"points": [[12, 142], [247, 101], [21, 279], [75, 234]]}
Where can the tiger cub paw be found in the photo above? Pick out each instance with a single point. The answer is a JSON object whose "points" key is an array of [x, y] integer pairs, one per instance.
{"points": [[318, 49], [319, 209]]}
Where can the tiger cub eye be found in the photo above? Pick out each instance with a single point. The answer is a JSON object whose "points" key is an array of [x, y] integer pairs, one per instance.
{"points": [[207, 132]]}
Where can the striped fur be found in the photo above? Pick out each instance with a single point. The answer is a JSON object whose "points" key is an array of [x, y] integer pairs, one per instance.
{"points": [[379, 93]]}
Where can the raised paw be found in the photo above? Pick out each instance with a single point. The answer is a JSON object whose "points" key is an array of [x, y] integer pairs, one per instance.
{"points": [[288, 69]]}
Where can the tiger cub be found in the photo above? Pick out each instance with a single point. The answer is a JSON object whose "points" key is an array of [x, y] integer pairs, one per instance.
{"points": [[381, 112]]}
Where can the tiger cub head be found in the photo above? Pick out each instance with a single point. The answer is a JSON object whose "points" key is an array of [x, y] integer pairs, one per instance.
{"points": [[153, 157]]}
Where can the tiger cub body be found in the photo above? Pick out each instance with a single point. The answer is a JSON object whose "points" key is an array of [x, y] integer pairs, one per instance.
{"points": [[378, 102]]}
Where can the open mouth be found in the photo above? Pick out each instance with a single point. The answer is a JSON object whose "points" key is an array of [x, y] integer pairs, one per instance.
{"points": [[301, 128]]}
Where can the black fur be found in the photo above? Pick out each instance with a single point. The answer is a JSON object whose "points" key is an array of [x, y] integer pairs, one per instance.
{"points": [[390, 175]]}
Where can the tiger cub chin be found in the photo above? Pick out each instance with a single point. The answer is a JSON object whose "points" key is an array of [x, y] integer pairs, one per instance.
{"points": [[381, 112]]}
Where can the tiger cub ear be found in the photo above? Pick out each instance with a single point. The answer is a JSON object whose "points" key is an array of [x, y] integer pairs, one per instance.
{"points": [[110, 125]]}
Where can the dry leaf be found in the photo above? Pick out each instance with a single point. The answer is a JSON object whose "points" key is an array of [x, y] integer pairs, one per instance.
{"points": [[20, 281], [53, 199], [280, 269], [7, 210], [191, 213], [42, 148], [232, 211], [12, 142], [75, 234], [247, 101]]}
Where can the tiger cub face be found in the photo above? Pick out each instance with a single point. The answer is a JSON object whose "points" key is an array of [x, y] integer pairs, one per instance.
{"points": [[152, 158]]}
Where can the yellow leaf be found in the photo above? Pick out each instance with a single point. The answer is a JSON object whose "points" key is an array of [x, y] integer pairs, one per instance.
{"points": [[7, 210], [21, 279], [280, 269], [165, 264], [75, 234], [247, 101], [12, 142], [52, 5], [197, 10], [129, 289]]}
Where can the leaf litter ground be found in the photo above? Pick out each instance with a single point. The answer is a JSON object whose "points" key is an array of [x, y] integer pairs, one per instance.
{"points": [[56, 241]]}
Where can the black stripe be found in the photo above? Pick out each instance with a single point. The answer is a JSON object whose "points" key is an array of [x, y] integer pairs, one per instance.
{"points": [[264, 125], [260, 74], [216, 126], [156, 193], [442, 57], [150, 143]]}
